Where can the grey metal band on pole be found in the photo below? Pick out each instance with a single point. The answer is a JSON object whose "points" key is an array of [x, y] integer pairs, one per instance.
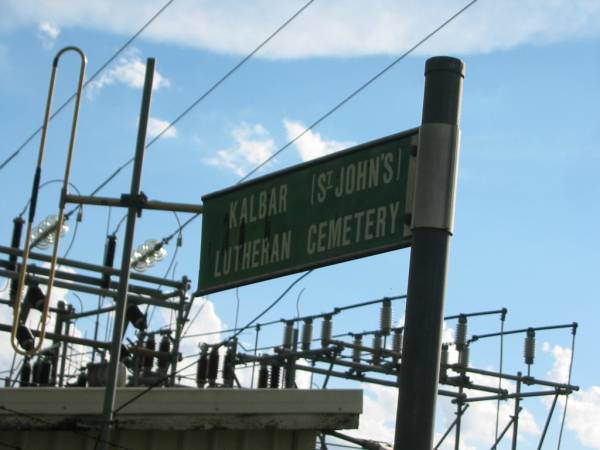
{"points": [[432, 227], [121, 303]]}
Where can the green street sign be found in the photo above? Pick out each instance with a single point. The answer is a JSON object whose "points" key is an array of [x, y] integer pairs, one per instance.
{"points": [[343, 206]]}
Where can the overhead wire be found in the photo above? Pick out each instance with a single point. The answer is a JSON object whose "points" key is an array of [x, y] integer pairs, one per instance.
{"points": [[562, 423], [350, 96], [249, 324], [89, 80], [209, 91], [361, 88]]}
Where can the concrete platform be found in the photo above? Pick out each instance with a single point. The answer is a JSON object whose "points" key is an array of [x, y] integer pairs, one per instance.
{"points": [[176, 418]]}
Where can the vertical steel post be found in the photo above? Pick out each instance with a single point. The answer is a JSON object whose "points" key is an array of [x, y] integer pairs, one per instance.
{"points": [[65, 346], [432, 226], [121, 300], [58, 327], [459, 405], [547, 424], [15, 243], [517, 411], [179, 324]]}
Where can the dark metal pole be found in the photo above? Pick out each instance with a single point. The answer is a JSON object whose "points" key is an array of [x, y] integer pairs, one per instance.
{"points": [[517, 411], [15, 243], [432, 226], [547, 422], [454, 422], [458, 422], [121, 300], [65, 347], [506, 428]]}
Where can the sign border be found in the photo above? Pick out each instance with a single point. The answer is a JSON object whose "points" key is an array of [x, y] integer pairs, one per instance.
{"points": [[412, 132]]}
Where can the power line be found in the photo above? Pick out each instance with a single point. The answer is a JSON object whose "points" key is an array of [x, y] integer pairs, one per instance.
{"points": [[344, 101], [349, 97], [209, 91], [94, 75], [362, 87], [249, 324]]}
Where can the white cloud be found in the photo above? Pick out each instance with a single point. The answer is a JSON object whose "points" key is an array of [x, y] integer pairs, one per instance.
{"points": [[311, 145], [253, 145], [332, 28], [562, 357], [377, 421], [206, 320], [48, 33], [129, 70], [583, 416], [33, 321], [583, 413], [156, 126]]}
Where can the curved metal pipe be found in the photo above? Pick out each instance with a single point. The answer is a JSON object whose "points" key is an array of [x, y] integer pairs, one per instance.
{"points": [[32, 206]]}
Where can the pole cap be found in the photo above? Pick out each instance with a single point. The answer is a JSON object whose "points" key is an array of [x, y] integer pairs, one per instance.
{"points": [[445, 64]]}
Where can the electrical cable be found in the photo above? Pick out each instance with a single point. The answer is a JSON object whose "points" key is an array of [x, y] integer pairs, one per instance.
{"points": [[171, 266], [347, 98], [362, 87], [183, 335], [264, 324], [562, 423], [46, 183], [75, 228], [89, 80], [266, 310], [119, 223], [203, 96], [271, 306], [237, 308]]}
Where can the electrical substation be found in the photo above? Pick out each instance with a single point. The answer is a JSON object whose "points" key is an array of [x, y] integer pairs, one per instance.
{"points": [[395, 193]]}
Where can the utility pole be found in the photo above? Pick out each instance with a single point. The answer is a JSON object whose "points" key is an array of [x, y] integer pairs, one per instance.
{"points": [[134, 208], [432, 227]]}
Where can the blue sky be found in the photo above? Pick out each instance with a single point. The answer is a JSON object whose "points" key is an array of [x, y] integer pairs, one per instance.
{"points": [[527, 196]]}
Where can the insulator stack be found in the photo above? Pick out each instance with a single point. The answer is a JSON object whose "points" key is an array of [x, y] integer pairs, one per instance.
{"points": [[213, 366], [529, 351], [461, 333], [288, 335], [263, 375], [25, 373], [307, 332], [36, 372], [463, 357], [376, 348], [148, 360], [275, 375], [444, 355], [109, 258], [397, 342], [24, 337], [136, 317], [357, 352], [228, 367], [15, 243], [444, 362], [386, 317], [164, 347], [326, 331], [201, 370], [45, 371], [81, 380]]}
